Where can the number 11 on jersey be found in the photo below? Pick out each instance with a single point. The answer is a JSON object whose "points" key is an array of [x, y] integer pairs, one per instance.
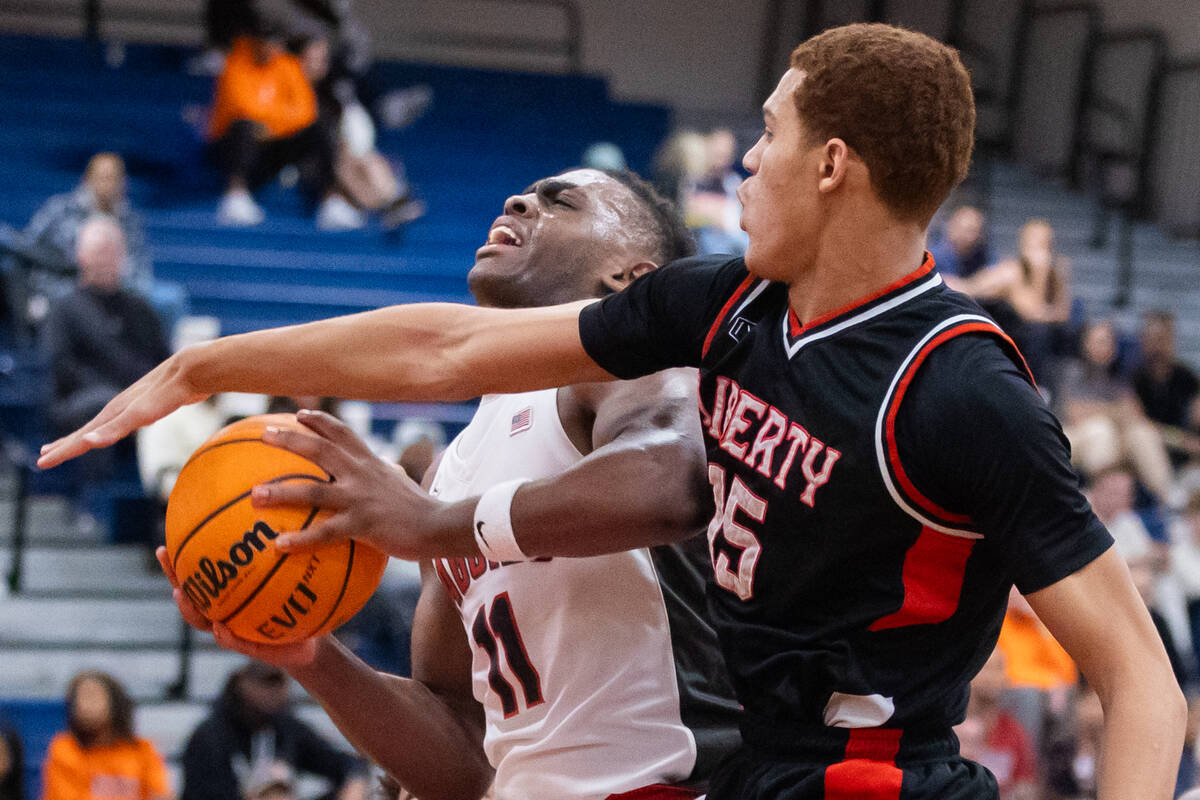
{"points": [[495, 631]]}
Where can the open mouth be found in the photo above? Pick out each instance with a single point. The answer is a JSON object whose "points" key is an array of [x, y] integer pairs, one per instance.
{"points": [[502, 234]]}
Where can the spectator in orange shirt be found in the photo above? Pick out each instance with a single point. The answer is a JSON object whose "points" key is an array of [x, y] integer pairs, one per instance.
{"points": [[1041, 674], [264, 117], [98, 757]]}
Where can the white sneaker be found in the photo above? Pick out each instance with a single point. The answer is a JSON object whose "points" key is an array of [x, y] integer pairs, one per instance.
{"points": [[237, 209], [336, 214]]}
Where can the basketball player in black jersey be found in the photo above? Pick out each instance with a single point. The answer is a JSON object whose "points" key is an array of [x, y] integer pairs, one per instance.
{"points": [[882, 464]]}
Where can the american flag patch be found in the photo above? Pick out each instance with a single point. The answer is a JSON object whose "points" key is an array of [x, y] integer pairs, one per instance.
{"points": [[521, 421]]}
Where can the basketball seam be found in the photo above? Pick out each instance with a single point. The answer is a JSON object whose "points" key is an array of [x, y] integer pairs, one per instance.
{"points": [[345, 584], [254, 593], [212, 447], [230, 504]]}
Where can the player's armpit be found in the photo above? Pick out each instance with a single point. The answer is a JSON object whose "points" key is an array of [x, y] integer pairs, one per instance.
{"points": [[642, 483], [1098, 617]]}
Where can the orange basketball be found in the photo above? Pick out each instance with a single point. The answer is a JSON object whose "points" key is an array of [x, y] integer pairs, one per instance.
{"points": [[223, 549]]}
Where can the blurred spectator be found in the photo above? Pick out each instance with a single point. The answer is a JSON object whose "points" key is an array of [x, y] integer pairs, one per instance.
{"points": [[1111, 492], [712, 208], [1167, 388], [264, 117], [1073, 767], [1103, 418], [679, 163], [57, 223], [1040, 673], [363, 176], [1143, 579], [98, 339], [249, 731], [604, 156], [962, 249], [993, 738], [1185, 565], [12, 765], [1030, 296], [49, 242], [98, 757]]}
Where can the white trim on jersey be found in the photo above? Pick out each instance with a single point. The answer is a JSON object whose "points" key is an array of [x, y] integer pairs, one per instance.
{"points": [[887, 398], [792, 348], [762, 285]]}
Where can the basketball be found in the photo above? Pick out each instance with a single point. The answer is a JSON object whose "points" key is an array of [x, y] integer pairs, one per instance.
{"points": [[223, 549]]}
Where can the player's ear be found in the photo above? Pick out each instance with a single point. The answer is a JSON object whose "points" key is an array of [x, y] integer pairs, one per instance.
{"points": [[835, 161], [622, 277]]}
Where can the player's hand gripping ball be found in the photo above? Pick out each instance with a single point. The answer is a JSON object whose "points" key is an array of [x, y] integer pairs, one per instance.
{"points": [[223, 549]]}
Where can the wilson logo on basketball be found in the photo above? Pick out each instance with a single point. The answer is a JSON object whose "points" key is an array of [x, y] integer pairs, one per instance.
{"points": [[206, 585]]}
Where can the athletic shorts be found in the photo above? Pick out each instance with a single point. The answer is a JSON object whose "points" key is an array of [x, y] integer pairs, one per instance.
{"points": [[859, 764]]}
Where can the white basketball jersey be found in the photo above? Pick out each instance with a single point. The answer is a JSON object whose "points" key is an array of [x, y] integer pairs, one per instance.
{"points": [[572, 656]]}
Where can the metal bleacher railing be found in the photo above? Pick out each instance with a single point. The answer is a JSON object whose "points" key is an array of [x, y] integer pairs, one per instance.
{"points": [[99, 18]]}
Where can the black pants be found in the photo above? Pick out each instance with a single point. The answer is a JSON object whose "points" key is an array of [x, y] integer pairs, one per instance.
{"points": [[243, 153], [862, 765]]}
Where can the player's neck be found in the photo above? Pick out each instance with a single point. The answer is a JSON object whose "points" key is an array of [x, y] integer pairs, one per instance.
{"points": [[851, 264]]}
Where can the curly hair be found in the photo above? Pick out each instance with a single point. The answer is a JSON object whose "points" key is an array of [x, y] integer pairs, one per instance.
{"points": [[672, 240], [901, 100]]}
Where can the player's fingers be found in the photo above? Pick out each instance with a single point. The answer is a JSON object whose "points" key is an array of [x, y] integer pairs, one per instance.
{"points": [[298, 493], [317, 449], [332, 429], [164, 561], [330, 529], [189, 612]]}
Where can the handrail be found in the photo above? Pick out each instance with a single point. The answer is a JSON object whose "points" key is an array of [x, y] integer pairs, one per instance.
{"points": [[571, 48]]}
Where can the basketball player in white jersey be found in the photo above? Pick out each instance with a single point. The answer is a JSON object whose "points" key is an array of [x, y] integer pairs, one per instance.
{"points": [[597, 676]]}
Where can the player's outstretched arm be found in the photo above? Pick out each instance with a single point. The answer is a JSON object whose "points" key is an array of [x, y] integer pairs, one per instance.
{"points": [[419, 352], [426, 732], [641, 482], [1097, 615]]}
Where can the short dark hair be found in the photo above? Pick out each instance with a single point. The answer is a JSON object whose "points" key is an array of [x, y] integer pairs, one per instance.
{"points": [[671, 238], [120, 707], [902, 100]]}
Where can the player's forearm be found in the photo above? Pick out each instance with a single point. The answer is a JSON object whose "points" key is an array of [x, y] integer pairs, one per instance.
{"points": [[400, 724], [1144, 721], [608, 503], [417, 352], [397, 353]]}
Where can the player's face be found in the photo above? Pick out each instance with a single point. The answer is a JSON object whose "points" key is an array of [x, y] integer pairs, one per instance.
{"points": [[779, 199], [555, 241]]}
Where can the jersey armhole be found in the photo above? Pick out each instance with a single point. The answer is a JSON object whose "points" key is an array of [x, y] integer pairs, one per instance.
{"points": [[899, 484]]}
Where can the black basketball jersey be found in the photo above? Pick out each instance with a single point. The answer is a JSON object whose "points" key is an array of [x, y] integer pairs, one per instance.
{"points": [[882, 476]]}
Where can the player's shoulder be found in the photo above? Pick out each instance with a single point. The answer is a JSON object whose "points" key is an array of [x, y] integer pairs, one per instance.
{"points": [[715, 270]]}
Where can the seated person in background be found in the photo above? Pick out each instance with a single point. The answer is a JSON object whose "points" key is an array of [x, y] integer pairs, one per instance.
{"points": [[251, 730], [98, 757], [1040, 673], [1185, 564], [962, 249], [12, 765], [1103, 418], [711, 207], [98, 338], [1112, 494], [679, 163], [1073, 763], [994, 738], [364, 177], [264, 117], [1033, 292], [52, 233], [1167, 388]]}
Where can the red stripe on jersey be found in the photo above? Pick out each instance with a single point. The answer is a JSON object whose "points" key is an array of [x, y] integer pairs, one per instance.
{"points": [[659, 791], [890, 432], [797, 329], [738, 292], [868, 771], [933, 577]]}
